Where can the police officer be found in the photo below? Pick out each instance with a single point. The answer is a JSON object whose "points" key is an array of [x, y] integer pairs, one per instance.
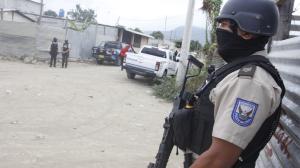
{"points": [[245, 101], [65, 54], [53, 52]]}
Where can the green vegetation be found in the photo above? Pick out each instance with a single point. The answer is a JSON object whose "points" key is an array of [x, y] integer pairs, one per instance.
{"points": [[80, 19], [50, 13], [157, 35], [138, 30], [194, 45], [166, 89], [212, 8]]}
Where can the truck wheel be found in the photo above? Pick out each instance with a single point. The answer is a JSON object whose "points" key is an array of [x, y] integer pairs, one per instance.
{"points": [[99, 62], [118, 61], [130, 75], [165, 74]]}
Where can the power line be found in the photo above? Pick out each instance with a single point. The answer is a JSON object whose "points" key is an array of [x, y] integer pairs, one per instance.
{"points": [[150, 20]]}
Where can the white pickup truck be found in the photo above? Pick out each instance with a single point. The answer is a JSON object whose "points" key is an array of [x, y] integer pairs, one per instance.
{"points": [[150, 62]]}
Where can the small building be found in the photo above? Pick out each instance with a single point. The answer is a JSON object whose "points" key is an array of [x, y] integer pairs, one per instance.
{"points": [[135, 38]]}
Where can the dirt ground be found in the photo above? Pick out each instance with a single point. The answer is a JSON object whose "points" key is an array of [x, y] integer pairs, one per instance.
{"points": [[86, 116]]}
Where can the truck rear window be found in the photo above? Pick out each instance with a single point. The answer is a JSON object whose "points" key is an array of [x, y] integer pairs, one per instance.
{"points": [[154, 52], [113, 45]]}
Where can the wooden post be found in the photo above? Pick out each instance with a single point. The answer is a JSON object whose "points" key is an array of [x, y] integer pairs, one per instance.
{"points": [[1, 13], [12, 15], [285, 12], [41, 12]]}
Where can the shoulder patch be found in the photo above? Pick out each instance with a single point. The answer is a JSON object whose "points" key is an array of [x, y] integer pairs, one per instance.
{"points": [[247, 70], [243, 112]]}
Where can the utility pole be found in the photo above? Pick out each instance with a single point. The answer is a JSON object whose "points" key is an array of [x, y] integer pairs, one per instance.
{"points": [[41, 12], [118, 20], [166, 26], [185, 47], [285, 8]]}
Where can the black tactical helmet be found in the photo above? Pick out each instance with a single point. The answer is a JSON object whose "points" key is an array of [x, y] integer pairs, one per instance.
{"points": [[254, 16], [55, 39]]}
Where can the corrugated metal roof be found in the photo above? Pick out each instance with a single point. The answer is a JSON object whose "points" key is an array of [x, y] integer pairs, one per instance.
{"points": [[284, 148], [139, 33]]}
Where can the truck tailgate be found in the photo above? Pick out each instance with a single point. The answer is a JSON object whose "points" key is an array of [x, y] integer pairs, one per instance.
{"points": [[141, 61]]}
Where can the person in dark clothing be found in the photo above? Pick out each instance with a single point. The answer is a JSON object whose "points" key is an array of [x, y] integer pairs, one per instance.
{"points": [[175, 53], [53, 52], [65, 54]]}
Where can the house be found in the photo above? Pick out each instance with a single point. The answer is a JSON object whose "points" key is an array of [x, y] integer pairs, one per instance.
{"points": [[135, 38]]}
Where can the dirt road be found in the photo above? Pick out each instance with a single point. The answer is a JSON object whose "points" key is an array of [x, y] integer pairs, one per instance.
{"points": [[86, 116]]}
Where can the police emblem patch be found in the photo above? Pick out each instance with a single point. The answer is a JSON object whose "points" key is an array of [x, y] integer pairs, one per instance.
{"points": [[243, 112]]}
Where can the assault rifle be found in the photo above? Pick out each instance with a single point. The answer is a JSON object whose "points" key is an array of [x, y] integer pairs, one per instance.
{"points": [[168, 140]]}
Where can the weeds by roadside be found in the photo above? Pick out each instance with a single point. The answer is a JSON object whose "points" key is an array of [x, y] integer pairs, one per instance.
{"points": [[165, 88]]}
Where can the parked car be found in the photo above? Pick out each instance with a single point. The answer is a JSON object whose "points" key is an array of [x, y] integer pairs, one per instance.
{"points": [[151, 62], [108, 51], [97, 50]]}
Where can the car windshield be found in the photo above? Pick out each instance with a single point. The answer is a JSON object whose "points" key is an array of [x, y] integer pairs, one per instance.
{"points": [[154, 51], [113, 45]]}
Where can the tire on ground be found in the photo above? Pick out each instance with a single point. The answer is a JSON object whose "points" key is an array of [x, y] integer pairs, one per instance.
{"points": [[130, 75]]}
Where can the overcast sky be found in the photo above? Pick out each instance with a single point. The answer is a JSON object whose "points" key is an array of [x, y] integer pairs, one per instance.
{"points": [[144, 14]]}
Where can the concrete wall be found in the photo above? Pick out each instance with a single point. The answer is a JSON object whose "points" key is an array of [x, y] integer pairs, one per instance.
{"points": [[82, 42], [17, 39], [21, 5], [13, 16], [144, 41], [44, 37], [105, 33]]}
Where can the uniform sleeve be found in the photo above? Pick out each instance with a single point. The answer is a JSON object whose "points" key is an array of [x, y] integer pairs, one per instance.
{"points": [[242, 104]]}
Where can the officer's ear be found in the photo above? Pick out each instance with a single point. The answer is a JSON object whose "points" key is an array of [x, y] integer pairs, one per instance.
{"points": [[246, 35]]}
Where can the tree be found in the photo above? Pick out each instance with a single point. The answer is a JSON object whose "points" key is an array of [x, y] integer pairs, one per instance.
{"points": [[157, 35], [82, 15], [178, 43], [195, 45], [50, 13], [138, 30], [212, 8]]}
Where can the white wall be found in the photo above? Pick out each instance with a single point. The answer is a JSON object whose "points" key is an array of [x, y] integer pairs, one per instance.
{"points": [[17, 39], [13, 16], [21, 5], [106, 34]]}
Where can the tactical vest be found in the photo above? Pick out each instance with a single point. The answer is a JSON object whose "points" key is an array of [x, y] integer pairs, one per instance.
{"points": [[54, 48], [65, 48], [203, 114]]}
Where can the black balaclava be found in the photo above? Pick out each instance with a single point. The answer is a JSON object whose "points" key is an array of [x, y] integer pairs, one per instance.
{"points": [[231, 46]]}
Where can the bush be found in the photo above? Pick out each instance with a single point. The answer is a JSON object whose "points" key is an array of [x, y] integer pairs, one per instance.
{"points": [[166, 88]]}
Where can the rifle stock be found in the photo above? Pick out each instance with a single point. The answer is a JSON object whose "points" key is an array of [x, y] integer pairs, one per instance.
{"points": [[167, 143]]}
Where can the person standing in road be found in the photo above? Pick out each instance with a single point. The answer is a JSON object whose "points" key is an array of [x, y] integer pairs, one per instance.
{"points": [[65, 54], [53, 52], [123, 53], [243, 98]]}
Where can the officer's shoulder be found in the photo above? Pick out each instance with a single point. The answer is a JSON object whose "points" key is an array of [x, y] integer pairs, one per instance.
{"points": [[247, 70], [255, 73]]}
